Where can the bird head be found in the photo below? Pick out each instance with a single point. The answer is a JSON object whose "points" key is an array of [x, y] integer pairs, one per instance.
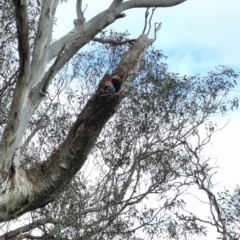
{"points": [[108, 82]]}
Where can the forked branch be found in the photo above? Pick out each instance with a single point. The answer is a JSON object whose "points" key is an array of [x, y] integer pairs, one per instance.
{"points": [[94, 26], [9, 139], [80, 21], [72, 153]]}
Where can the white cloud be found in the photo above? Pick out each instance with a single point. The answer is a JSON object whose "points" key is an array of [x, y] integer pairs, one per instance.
{"points": [[197, 35]]}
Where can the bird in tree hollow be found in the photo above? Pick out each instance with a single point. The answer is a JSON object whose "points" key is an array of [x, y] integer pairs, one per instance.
{"points": [[109, 86]]}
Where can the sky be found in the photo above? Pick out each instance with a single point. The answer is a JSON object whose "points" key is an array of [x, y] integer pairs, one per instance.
{"points": [[197, 36]]}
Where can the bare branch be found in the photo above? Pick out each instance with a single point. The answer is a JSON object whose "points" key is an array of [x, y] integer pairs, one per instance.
{"points": [[21, 16], [79, 9], [145, 20], [39, 125], [90, 30], [113, 42], [80, 21], [11, 128], [150, 20], [157, 27], [203, 180], [21, 111], [43, 39], [50, 74], [13, 234], [96, 22], [148, 3]]}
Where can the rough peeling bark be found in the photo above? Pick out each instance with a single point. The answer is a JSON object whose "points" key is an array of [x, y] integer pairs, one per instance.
{"points": [[41, 185]]}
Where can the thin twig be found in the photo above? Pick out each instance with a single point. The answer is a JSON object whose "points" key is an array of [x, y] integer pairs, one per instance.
{"points": [[157, 27], [150, 20], [146, 17]]}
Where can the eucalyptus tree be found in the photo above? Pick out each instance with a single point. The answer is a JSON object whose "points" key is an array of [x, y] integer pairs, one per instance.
{"points": [[29, 62], [55, 115], [142, 163]]}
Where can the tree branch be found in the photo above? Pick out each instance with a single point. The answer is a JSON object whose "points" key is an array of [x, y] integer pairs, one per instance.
{"points": [[106, 19], [79, 9], [83, 34], [113, 42], [11, 128], [39, 125], [73, 152], [21, 108], [73, 35], [80, 21], [13, 234], [42, 40], [148, 3], [21, 16]]}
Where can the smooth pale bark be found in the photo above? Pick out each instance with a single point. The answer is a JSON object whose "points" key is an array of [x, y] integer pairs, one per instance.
{"points": [[8, 143], [21, 191], [93, 24], [29, 76]]}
